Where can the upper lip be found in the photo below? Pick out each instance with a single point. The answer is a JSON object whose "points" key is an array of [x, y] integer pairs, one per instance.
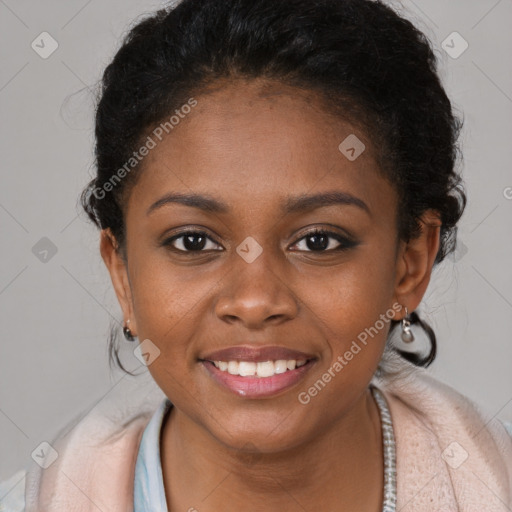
{"points": [[256, 354]]}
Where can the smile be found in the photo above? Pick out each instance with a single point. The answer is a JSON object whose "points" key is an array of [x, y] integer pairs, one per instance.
{"points": [[260, 369], [263, 379]]}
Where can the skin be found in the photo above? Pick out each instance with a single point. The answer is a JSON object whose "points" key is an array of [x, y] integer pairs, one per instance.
{"points": [[251, 145]]}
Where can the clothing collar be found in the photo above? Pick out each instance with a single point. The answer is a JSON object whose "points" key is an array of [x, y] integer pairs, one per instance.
{"points": [[450, 455], [149, 492]]}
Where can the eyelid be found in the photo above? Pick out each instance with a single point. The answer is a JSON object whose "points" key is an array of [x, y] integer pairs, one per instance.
{"points": [[345, 241], [169, 240], [327, 229]]}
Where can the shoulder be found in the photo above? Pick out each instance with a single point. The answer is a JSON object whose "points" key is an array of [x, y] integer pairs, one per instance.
{"points": [[418, 397], [452, 436], [428, 395], [96, 452], [437, 402], [12, 492]]}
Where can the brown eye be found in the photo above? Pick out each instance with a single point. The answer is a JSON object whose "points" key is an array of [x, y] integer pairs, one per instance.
{"points": [[319, 240], [190, 241]]}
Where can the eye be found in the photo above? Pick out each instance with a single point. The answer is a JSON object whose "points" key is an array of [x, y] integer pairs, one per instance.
{"points": [[321, 240], [316, 240], [190, 241]]}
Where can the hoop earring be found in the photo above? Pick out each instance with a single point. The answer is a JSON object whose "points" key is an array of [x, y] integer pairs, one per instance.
{"points": [[127, 332], [407, 335]]}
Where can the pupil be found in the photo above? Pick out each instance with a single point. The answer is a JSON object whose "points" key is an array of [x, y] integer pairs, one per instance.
{"points": [[190, 246], [319, 242]]}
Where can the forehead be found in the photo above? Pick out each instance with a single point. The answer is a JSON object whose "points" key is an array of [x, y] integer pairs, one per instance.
{"points": [[259, 141]]}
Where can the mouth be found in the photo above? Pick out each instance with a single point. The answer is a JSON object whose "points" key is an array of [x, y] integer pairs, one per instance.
{"points": [[259, 369], [253, 372]]}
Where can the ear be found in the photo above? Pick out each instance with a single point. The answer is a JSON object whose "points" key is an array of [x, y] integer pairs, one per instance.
{"points": [[118, 270], [415, 261]]}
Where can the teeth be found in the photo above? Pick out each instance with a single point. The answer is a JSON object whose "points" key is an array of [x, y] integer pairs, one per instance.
{"points": [[280, 366], [246, 369], [265, 369], [290, 364], [261, 369], [233, 367]]}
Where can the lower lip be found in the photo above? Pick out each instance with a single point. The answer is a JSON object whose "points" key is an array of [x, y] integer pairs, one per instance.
{"points": [[258, 387]]}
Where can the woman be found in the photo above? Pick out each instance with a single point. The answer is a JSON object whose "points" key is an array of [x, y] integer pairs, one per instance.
{"points": [[275, 183]]}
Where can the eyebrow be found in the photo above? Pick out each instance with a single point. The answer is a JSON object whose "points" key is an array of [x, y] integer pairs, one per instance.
{"points": [[293, 204]]}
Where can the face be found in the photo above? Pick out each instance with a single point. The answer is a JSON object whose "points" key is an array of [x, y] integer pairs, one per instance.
{"points": [[262, 267]]}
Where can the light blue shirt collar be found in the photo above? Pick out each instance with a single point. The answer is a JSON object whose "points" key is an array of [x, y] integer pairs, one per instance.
{"points": [[149, 492]]}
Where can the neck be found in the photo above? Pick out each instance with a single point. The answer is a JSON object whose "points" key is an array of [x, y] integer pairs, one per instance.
{"points": [[339, 469]]}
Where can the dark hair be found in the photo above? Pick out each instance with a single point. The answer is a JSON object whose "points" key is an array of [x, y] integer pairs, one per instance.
{"points": [[366, 63]]}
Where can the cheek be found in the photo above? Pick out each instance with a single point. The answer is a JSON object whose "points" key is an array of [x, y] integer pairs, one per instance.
{"points": [[352, 303], [168, 303], [169, 306]]}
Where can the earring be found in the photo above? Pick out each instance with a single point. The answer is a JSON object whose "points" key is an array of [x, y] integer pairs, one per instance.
{"points": [[127, 333], [407, 335]]}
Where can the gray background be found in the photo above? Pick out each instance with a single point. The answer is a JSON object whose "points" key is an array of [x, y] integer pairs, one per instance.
{"points": [[54, 315]]}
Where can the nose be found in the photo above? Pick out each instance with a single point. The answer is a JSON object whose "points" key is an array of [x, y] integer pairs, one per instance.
{"points": [[255, 294]]}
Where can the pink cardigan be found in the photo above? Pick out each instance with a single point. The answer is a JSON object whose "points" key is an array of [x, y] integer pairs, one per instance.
{"points": [[450, 457]]}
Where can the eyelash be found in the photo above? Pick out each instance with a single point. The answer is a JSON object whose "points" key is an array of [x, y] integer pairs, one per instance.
{"points": [[345, 243]]}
